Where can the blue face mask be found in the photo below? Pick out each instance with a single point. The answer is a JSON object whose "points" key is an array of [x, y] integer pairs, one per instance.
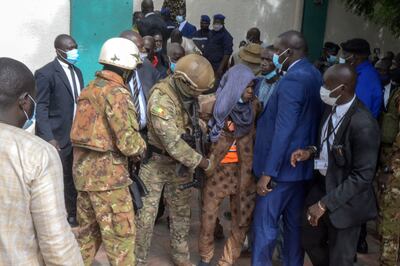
{"points": [[72, 56], [331, 59], [275, 59], [180, 19], [29, 121], [270, 75], [172, 67]]}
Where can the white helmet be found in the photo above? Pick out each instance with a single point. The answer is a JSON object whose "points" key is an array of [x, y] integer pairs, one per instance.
{"points": [[119, 52]]}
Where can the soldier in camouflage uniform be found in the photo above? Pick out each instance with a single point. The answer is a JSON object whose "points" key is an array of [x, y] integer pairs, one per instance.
{"points": [[390, 212], [174, 7], [389, 179], [173, 160], [104, 134]]}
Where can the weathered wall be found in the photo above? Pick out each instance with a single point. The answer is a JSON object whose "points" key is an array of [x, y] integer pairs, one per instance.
{"points": [[342, 25], [271, 16], [28, 29]]}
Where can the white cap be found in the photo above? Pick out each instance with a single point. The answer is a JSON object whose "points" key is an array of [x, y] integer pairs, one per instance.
{"points": [[120, 52]]}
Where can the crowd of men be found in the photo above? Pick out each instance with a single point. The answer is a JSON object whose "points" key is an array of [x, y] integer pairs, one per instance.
{"points": [[307, 153]]}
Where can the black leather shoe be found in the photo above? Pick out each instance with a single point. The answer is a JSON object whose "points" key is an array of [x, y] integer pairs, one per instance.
{"points": [[72, 221], [202, 263], [218, 231], [362, 247]]}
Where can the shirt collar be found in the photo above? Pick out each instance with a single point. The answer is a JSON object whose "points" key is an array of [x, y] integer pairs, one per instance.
{"points": [[295, 62], [341, 110], [63, 64], [148, 14], [362, 65], [182, 25]]}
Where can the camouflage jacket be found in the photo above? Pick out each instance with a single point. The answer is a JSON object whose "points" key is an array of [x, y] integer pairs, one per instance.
{"points": [[104, 134], [167, 121]]}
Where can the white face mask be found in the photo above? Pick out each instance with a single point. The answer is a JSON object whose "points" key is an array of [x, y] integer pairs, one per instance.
{"points": [[325, 95]]}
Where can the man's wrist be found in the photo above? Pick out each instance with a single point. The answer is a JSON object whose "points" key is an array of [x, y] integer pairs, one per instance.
{"points": [[312, 149], [322, 206]]}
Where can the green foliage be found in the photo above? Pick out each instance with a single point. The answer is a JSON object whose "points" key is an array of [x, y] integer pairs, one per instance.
{"points": [[385, 13]]}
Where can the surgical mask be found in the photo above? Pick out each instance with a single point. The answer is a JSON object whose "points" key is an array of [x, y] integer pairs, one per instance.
{"points": [[143, 56], [270, 75], [331, 59], [30, 121], [180, 19], [72, 56], [343, 60], [172, 67], [275, 59], [325, 95], [217, 27]]}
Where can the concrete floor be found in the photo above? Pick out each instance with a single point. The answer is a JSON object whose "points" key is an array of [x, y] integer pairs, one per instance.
{"points": [[159, 252]]}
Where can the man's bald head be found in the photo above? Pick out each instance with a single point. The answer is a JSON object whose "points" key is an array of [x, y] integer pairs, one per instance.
{"points": [[147, 6], [175, 52], [343, 78], [253, 35], [294, 40], [134, 37], [149, 45], [292, 46]]}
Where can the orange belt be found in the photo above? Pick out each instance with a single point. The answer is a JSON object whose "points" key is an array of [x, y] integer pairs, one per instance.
{"points": [[231, 156]]}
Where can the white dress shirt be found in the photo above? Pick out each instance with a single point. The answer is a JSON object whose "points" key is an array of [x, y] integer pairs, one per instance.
{"points": [[78, 84], [182, 25], [337, 119], [142, 101], [386, 94]]}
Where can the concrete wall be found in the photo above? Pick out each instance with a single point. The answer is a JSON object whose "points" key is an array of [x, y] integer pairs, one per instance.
{"points": [[28, 29], [342, 25], [271, 16]]}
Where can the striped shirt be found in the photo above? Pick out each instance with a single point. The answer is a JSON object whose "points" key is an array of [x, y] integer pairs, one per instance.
{"points": [[33, 225]]}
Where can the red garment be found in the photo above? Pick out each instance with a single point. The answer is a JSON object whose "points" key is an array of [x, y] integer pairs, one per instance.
{"points": [[154, 62]]}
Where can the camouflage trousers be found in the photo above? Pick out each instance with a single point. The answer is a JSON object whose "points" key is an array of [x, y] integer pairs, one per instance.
{"points": [[222, 184], [390, 221], [158, 174], [106, 217]]}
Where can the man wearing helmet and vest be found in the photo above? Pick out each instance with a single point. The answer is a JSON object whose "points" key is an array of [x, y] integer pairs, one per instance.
{"points": [[172, 161], [104, 134]]}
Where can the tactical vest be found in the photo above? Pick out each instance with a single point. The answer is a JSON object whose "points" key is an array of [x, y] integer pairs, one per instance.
{"points": [[90, 128], [390, 119], [182, 118]]}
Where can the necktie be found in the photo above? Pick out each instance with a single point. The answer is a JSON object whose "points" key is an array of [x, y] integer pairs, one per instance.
{"points": [[331, 129], [75, 88], [135, 96]]}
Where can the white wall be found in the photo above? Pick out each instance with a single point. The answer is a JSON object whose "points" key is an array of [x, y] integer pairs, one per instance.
{"points": [[29, 27], [271, 16], [342, 25]]}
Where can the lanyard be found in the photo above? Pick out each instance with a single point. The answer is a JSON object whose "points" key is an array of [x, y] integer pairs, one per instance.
{"points": [[327, 136]]}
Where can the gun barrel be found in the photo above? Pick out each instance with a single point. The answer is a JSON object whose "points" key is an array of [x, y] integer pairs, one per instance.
{"points": [[194, 183]]}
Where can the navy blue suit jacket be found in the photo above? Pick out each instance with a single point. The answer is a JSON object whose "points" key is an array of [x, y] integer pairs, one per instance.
{"points": [[55, 103], [188, 30], [289, 122]]}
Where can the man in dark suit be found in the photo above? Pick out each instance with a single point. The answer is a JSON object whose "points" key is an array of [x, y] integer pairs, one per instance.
{"points": [[342, 195], [290, 120], [187, 29], [152, 23], [58, 86], [144, 78]]}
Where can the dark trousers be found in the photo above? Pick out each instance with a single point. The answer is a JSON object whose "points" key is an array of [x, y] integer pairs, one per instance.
{"points": [[325, 244], [70, 193], [286, 201]]}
